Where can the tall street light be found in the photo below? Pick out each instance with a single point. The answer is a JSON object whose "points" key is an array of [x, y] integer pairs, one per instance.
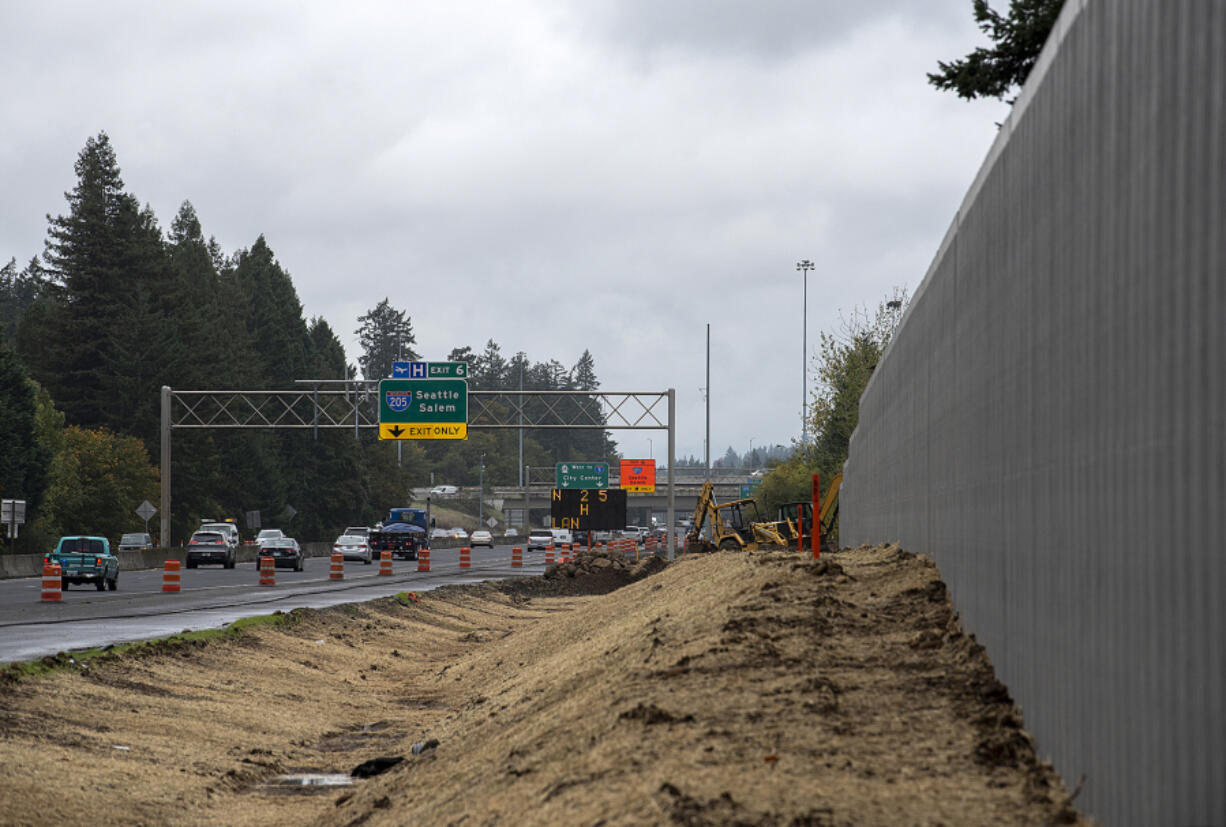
{"points": [[805, 266]]}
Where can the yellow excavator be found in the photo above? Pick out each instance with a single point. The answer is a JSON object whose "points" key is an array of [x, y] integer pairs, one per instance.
{"points": [[735, 525]]}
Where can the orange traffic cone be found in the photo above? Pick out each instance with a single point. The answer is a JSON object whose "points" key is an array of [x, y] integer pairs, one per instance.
{"points": [[268, 571], [52, 584], [385, 563], [170, 576]]}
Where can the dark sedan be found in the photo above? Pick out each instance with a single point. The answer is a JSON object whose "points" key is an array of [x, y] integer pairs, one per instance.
{"points": [[210, 547], [284, 551]]}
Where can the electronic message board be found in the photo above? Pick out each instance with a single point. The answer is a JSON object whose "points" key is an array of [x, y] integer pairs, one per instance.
{"points": [[588, 509]]}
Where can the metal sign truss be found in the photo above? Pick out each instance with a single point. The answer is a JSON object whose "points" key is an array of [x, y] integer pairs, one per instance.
{"points": [[357, 407], [353, 403]]}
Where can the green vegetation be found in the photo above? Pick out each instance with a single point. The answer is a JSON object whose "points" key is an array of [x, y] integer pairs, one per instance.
{"points": [[843, 367], [1018, 37], [116, 308], [81, 660]]}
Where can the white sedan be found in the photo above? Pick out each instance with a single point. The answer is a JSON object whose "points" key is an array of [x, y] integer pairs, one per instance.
{"points": [[353, 547], [481, 537]]}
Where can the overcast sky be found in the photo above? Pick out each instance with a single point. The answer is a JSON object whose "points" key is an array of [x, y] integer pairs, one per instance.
{"points": [[602, 174]]}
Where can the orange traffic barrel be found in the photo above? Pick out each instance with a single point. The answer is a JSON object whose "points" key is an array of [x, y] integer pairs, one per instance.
{"points": [[549, 554], [268, 571], [517, 557], [465, 563], [52, 584], [338, 566], [170, 576], [423, 559], [385, 562]]}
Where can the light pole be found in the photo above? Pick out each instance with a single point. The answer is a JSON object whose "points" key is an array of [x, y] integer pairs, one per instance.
{"points": [[481, 493], [804, 265], [651, 451]]}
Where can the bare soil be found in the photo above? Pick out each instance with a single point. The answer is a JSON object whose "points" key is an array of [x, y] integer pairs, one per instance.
{"points": [[731, 688]]}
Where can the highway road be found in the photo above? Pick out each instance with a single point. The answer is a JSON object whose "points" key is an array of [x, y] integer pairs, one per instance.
{"points": [[212, 596]]}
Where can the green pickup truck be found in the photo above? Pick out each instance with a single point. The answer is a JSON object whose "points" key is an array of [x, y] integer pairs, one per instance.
{"points": [[86, 560]]}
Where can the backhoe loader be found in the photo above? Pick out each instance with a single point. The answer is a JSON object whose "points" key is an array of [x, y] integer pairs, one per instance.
{"points": [[729, 527]]}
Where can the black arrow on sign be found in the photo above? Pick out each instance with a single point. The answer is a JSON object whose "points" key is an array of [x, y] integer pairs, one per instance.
{"points": [[396, 430]]}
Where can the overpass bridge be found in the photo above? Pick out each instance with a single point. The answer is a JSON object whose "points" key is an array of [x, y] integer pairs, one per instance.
{"points": [[512, 499]]}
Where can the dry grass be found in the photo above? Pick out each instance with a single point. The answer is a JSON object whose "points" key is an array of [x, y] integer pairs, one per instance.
{"points": [[730, 688]]}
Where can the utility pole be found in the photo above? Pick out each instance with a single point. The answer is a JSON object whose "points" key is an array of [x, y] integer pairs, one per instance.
{"points": [[804, 265], [481, 493], [708, 394]]}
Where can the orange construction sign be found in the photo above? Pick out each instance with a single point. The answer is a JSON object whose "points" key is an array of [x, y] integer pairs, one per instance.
{"points": [[638, 476]]}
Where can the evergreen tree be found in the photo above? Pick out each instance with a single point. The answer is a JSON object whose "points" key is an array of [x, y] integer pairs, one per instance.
{"points": [[84, 255], [274, 319], [18, 291], [1018, 39], [489, 369], [461, 354], [23, 460], [386, 336]]}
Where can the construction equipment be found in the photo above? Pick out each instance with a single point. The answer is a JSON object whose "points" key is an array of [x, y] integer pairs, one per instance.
{"points": [[735, 525], [796, 518]]}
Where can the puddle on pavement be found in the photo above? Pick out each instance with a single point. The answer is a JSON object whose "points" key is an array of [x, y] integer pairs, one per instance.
{"points": [[305, 783]]}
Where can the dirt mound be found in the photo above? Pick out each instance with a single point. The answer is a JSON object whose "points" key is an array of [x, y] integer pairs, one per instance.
{"points": [[588, 573], [757, 688]]}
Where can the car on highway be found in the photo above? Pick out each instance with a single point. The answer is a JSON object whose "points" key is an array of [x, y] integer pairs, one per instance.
{"points": [[284, 551], [562, 536], [539, 538], [210, 547], [357, 531], [135, 542], [481, 537], [440, 534], [268, 534], [228, 529], [458, 533], [510, 532], [353, 547], [444, 491]]}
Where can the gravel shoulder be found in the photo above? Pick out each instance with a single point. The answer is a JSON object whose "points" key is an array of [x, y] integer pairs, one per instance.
{"points": [[757, 688]]}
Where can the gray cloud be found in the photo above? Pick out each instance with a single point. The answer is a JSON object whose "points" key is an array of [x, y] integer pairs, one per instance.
{"points": [[627, 171]]}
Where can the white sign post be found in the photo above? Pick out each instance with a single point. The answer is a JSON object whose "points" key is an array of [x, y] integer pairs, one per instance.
{"points": [[12, 514]]}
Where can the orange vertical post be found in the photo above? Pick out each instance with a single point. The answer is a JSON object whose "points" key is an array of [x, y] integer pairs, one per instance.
{"points": [[816, 539]]}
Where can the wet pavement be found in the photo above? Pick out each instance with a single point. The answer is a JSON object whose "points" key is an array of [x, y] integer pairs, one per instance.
{"points": [[213, 597]]}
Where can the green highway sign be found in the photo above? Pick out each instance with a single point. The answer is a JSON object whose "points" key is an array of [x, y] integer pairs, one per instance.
{"points": [[582, 475], [447, 370], [423, 408]]}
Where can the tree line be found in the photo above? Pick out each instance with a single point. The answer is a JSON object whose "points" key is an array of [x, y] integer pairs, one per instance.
{"points": [[116, 307]]}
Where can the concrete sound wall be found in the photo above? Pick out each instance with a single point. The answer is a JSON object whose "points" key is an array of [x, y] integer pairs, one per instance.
{"points": [[1050, 421]]}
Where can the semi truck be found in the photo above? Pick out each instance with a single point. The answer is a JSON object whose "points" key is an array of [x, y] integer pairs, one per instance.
{"points": [[403, 533]]}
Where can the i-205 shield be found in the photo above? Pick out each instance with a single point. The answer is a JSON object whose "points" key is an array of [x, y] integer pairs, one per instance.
{"points": [[399, 401]]}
